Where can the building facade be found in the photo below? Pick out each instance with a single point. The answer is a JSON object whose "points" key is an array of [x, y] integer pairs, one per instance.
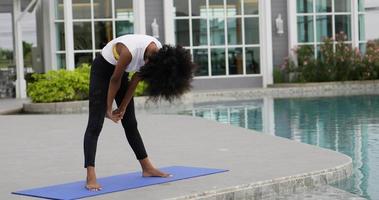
{"points": [[236, 43]]}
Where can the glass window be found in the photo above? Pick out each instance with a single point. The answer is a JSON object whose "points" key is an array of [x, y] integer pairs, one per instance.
{"points": [[200, 57], [216, 8], [61, 61], [59, 9], [218, 61], [304, 6], [235, 61], [342, 5], [233, 7], [362, 31], [181, 7], [305, 29], [124, 27], [217, 31], [251, 7], [234, 31], [324, 27], [82, 35], [343, 25], [81, 58], [362, 48], [81, 9], [60, 36], [102, 8], [123, 9], [199, 7], [361, 7], [323, 6], [252, 30], [199, 32], [252, 60], [103, 34], [182, 32]]}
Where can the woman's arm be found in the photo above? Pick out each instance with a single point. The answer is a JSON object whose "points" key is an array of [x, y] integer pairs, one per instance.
{"points": [[115, 82], [128, 95]]}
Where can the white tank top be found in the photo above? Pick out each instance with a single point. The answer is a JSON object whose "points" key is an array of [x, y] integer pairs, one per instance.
{"points": [[136, 44]]}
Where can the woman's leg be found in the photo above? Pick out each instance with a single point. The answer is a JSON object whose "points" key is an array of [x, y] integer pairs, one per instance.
{"points": [[132, 134], [99, 83]]}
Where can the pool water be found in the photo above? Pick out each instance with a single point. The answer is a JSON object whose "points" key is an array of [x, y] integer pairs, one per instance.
{"points": [[349, 125]]}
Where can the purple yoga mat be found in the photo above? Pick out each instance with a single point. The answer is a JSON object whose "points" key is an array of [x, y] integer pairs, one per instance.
{"points": [[76, 190]]}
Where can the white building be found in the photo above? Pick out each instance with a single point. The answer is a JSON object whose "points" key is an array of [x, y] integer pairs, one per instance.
{"points": [[236, 43]]}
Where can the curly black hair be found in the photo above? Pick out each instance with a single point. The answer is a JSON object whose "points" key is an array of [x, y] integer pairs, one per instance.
{"points": [[168, 74]]}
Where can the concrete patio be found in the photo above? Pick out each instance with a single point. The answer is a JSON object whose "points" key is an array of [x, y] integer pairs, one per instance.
{"points": [[42, 150]]}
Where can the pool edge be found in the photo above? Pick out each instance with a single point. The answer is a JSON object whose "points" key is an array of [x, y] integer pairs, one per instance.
{"points": [[277, 186]]}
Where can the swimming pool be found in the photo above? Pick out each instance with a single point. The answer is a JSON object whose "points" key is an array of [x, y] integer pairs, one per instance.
{"points": [[348, 124]]}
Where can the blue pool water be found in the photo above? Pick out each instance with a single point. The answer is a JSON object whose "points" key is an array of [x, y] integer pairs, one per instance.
{"points": [[349, 125]]}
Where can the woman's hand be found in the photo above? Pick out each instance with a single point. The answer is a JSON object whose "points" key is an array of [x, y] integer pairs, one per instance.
{"points": [[119, 113], [109, 114]]}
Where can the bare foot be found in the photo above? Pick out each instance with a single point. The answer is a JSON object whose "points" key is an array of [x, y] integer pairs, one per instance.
{"points": [[154, 173], [92, 185]]}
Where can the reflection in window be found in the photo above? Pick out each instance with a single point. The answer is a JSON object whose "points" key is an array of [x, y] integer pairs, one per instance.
{"points": [[218, 61], [342, 5], [304, 6], [81, 9], [81, 58], [199, 32], [362, 33], [198, 7], [251, 7], [182, 32], [324, 27], [124, 27], [224, 28], [103, 34], [217, 31], [61, 61], [252, 60], [60, 36], [323, 6], [181, 8], [234, 31], [200, 57], [102, 8], [305, 28], [252, 30], [235, 61], [124, 9], [59, 9], [343, 25], [82, 35], [233, 7]]}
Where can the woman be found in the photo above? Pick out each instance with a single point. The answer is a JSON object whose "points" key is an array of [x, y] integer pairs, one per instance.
{"points": [[167, 71]]}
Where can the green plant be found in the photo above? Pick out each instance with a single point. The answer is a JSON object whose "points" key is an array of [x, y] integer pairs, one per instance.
{"points": [[336, 61], [60, 85]]}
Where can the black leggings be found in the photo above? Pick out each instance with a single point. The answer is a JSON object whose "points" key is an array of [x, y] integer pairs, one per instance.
{"points": [[101, 72]]}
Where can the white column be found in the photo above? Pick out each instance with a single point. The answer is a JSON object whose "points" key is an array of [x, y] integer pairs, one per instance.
{"points": [[139, 16], [355, 23], [266, 42], [69, 35], [292, 26], [168, 7], [18, 51]]}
